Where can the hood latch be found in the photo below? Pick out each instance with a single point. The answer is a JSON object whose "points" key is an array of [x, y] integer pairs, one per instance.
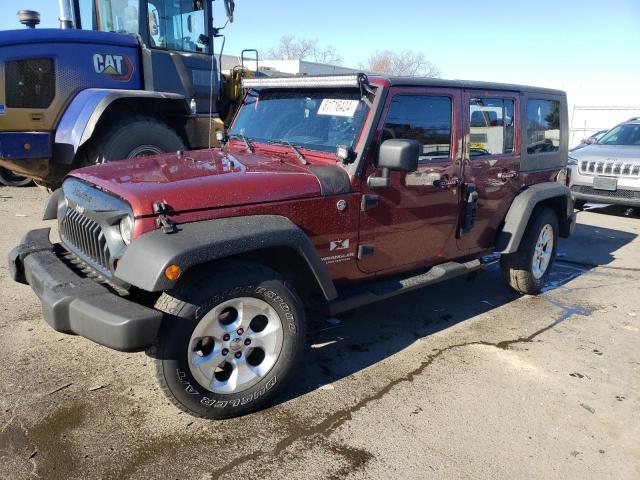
{"points": [[167, 226]]}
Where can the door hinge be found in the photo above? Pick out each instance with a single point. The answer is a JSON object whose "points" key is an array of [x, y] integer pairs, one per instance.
{"points": [[365, 251], [368, 202]]}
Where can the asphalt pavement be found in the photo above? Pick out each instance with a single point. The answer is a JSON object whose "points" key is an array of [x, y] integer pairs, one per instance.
{"points": [[461, 380]]}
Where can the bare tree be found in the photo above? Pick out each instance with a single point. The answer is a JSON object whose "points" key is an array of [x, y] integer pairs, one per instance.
{"points": [[292, 48], [405, 63]]}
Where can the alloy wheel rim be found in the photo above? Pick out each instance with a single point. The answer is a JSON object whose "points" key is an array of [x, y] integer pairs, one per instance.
{"points": [[542, 252], [235, 345]]}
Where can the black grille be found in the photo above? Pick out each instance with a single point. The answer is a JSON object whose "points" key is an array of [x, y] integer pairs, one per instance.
{"points": [[605, 193], [30, 83], [87, 237]]}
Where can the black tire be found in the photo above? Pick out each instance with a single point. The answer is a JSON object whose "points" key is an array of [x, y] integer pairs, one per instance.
{"points": [[189, 305], [135, 137], [10, 179], [518, 268]]}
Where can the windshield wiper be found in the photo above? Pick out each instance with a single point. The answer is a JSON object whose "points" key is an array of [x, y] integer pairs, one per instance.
{"points": [[244, 139], [296, 152]]}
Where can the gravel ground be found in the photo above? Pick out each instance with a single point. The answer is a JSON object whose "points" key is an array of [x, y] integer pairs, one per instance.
{"points": [[461, 380]]}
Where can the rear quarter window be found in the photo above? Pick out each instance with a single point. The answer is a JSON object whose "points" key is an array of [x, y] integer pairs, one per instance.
{"points": [[543, 126]]}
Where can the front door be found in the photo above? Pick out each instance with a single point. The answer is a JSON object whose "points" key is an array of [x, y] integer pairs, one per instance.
{"points": [[179, 54], [412, 223], [491, 161]]}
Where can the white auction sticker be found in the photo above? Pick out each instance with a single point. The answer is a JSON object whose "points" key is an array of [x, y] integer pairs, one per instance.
{"points": [[338, 107]]}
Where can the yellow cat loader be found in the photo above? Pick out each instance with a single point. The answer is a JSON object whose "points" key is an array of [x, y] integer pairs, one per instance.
{"points": [[122, 79]]}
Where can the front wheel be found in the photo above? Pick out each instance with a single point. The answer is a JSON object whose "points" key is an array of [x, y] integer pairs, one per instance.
{"points": [[527, 270], [10, 179], [231, 342], [136, 137]]}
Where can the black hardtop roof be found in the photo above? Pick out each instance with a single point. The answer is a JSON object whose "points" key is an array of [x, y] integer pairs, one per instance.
{"points": [[470, 84], [355, 80]]}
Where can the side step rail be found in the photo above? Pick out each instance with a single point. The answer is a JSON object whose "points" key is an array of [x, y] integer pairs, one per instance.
{"points": [[387, 288]]}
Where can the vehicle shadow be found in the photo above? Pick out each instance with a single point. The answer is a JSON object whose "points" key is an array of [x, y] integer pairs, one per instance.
{"points": [[612, 210], [339, 347], [593, 245]]}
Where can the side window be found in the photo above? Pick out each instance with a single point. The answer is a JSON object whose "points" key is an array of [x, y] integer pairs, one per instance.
{"points": [[491, 126], [423, 118], [119, 17], [543, 126], [177, 25]]}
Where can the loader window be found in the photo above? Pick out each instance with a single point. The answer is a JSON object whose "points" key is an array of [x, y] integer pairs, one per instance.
{"points": [[177, 25], [120, 16]]}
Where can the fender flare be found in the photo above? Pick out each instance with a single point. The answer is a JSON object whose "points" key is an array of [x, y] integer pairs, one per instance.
{"points": [[81, 116], [519, 213], [145, 260]]}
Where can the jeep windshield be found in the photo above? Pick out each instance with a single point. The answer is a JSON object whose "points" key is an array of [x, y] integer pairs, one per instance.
{"points": [[628, 134], [310, 119]]}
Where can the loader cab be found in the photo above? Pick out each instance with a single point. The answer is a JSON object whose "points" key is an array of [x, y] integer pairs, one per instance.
{"points": [[177, 43], [178, 25]]}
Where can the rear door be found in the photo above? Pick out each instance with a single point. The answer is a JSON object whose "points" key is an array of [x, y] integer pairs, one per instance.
{"points": [[412, 223], [491, 161]]}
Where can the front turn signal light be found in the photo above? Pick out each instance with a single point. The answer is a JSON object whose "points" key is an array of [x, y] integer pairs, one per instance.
{"points": [[172, 272]]}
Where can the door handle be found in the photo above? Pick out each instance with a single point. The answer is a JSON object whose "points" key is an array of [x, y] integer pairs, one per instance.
{"points": [[447, 182], [504, 176]]}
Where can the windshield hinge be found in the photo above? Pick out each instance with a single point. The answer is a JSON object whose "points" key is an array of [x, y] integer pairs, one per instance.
{"points": [[365, 90]]}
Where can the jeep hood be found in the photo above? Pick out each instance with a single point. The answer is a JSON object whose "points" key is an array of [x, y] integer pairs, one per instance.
{"points": [[623, 153], [201, 180]]}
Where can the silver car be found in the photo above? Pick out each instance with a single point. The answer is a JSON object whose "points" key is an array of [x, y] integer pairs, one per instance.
{"points": [[608, 171]]}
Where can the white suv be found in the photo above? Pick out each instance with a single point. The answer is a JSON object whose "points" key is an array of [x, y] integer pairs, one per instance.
{"points": [[608, 171]]}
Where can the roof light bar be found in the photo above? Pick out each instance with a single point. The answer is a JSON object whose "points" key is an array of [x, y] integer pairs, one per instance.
{"points": [[325, 81]]}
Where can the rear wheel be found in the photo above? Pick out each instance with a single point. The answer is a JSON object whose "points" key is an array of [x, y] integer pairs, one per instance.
{"points": [[138, 137], [527, 270], [10, 179], [233, 339]]}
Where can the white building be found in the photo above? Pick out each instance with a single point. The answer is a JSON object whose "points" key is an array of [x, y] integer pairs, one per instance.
{"points": [[287, 67]]}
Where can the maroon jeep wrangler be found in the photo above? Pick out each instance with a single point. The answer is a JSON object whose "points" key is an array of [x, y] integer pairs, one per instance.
{"points": [[329, 193]]}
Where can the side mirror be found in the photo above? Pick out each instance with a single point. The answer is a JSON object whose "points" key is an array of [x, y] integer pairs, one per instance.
{"points": [[221, 137], [399, 155], [229, 6]]}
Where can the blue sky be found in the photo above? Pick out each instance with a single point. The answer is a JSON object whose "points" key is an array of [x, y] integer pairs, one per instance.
{"points": [[589, 48]]}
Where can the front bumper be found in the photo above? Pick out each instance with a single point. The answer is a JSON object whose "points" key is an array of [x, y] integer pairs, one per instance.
{"points": [[586, 193], [25, 145], [76, 305], [627, 191], [27, 153]]}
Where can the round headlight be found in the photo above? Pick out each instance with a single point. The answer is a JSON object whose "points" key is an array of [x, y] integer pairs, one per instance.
{"points": [[126, 229]]}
